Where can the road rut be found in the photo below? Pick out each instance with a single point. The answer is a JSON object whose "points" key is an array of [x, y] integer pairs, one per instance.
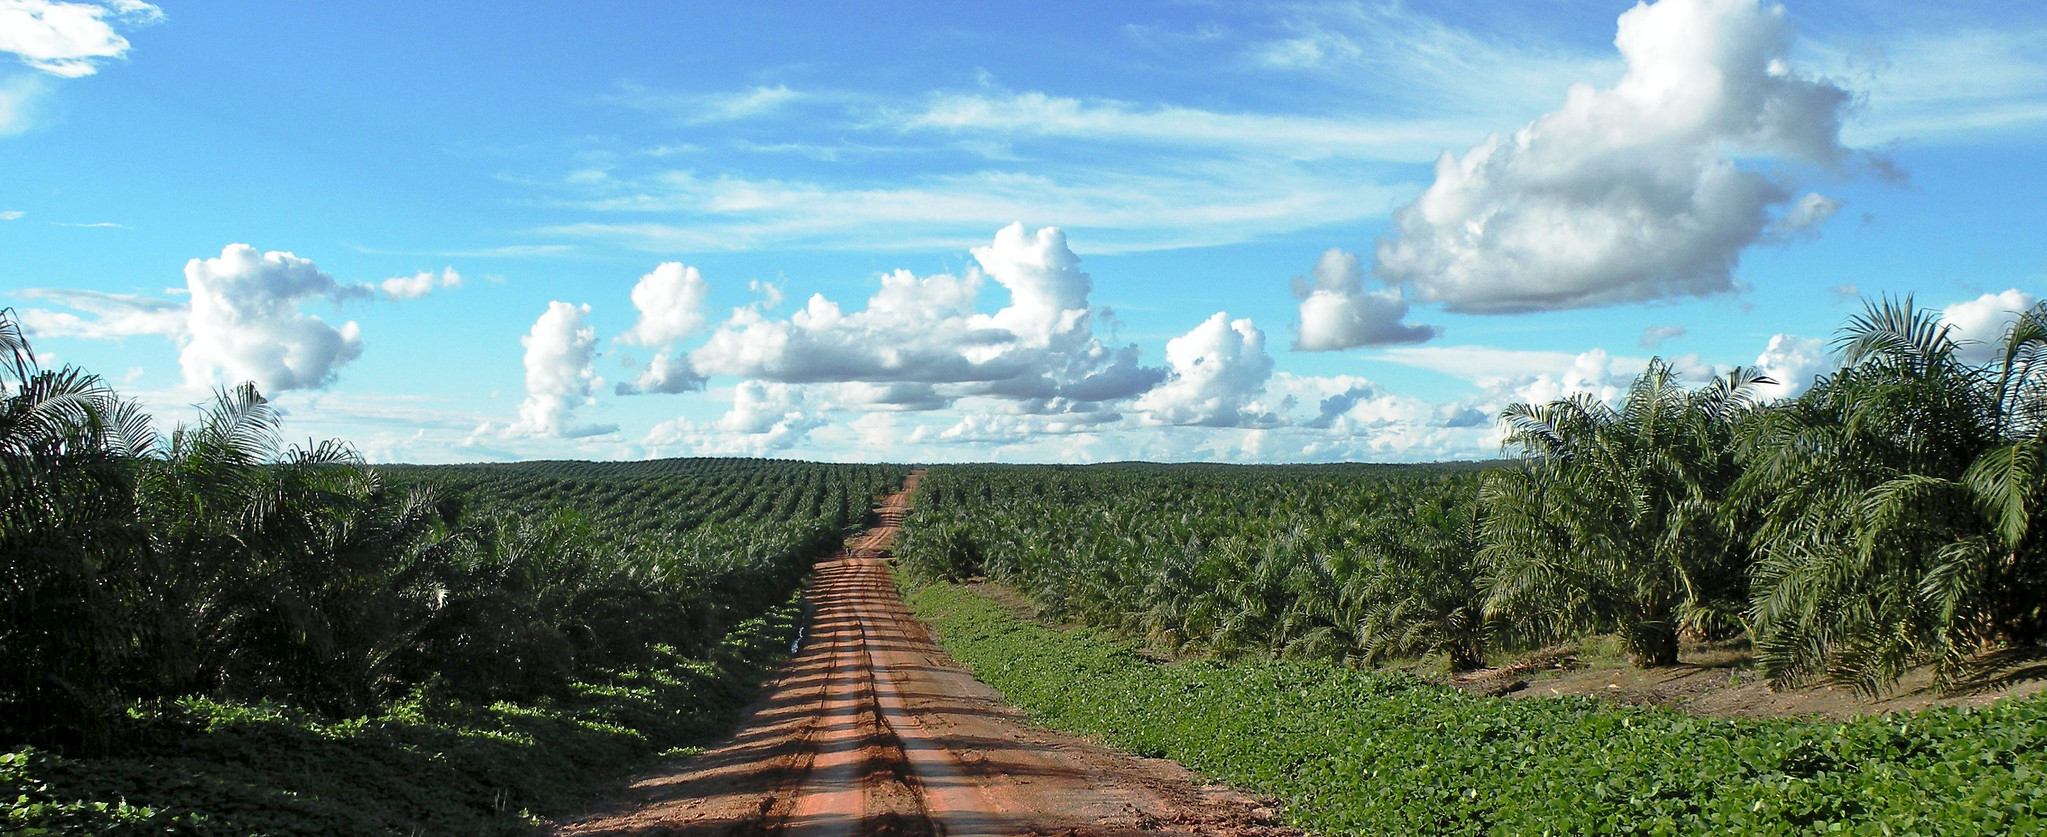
{"points": [[873, 730]]}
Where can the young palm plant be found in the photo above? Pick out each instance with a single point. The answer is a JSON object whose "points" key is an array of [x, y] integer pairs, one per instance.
{"points": [[1422, 593]]}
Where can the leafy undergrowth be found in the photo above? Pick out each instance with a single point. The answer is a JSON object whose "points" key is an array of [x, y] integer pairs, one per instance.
{"points": [[1376, 752], [430, 765]]}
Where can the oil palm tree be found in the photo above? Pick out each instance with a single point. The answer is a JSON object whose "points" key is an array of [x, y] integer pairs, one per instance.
{"points": [[277, 568], [1612, 522], [1422, 592], [1900, 502], [68, 545]]}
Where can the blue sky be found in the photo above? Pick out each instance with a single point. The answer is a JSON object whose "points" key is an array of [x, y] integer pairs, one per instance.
{"points": [[940, 232]]}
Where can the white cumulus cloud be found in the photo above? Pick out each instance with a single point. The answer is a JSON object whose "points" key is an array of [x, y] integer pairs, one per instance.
{"points": [[420, 284], [907, 332], [69, 39], [1038, 351], [559, 374], [1631, 192], [765, 417], [1593, 372], [1047, 290], [1980, 324], [1354, 418], [244, 322], [1510, 375], [759, 407], [1217, 372], [1338, 313], [666, 374], [670, 300], [1792, 362], [242, 319]]}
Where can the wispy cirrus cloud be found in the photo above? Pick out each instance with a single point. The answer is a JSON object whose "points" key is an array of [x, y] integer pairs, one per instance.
{"points": [[1408, 60], [1124, 212], [702, 108], [18, 97], [1033, 115], [1133, 174], [1374, 90], [1923, 82], [110, 316], [511, 251]]}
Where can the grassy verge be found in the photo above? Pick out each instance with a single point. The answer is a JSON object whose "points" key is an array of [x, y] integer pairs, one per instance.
{"points": [[428, 766], [1364, 752]]}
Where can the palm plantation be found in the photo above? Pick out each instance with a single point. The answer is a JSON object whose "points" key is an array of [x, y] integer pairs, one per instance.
{"points": [[218, 561], [1883, 519], [156, 584]]}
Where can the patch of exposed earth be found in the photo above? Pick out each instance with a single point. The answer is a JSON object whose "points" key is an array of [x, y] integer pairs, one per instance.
{"points": [[873, 730]]}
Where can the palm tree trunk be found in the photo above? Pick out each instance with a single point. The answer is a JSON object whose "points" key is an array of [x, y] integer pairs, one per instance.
{"points": [[1465, 656], [1652, 642]]}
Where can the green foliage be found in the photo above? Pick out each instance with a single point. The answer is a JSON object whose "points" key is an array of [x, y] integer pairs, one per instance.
{"points": [[1615, 520], [215, 633], [1373, 752], [219, 562], [1888, 517], [645, 504], [1900, 503], [1422, 595], [1328, 562], [428, 764], [68, 552]]}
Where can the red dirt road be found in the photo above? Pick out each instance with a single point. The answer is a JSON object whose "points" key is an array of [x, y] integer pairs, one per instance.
{"points": [[873, 730]]}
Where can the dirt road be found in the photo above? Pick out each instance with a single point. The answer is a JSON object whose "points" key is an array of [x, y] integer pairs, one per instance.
{"points": [[873, 730]]}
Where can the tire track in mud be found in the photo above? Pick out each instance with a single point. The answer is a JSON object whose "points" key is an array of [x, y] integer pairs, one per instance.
{"points": [[872, 730]]}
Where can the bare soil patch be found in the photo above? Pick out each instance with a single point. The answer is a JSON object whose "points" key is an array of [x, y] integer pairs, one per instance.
{"points": [[873, 730]]}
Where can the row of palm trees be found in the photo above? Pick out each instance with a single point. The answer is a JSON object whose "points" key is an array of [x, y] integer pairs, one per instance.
{"points": [[1370, 563], [1887, 517], [220, 561], [634, 502]]}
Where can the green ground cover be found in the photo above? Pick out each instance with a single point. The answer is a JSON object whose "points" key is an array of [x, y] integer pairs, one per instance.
{"points": [[426, 765], [1378, 752]]}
